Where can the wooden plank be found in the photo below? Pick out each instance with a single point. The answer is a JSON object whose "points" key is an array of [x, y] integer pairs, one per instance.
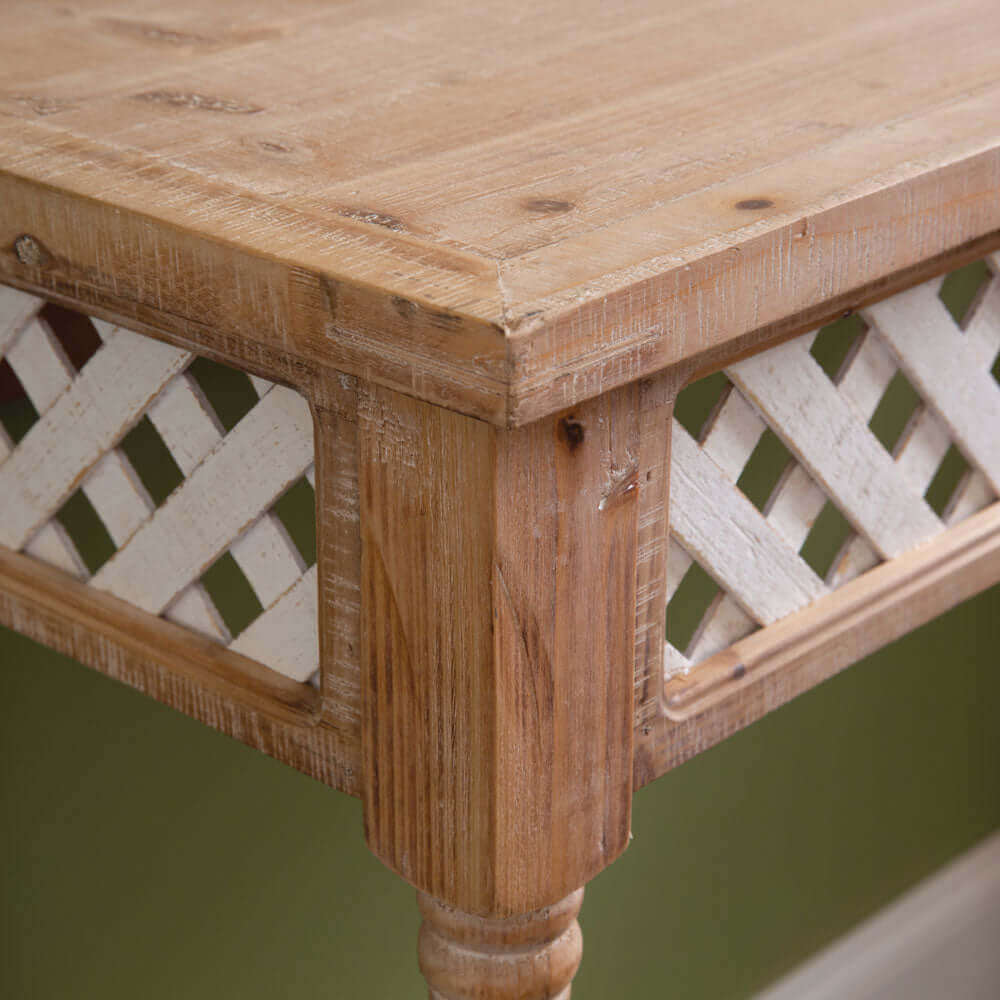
{"points": [[259, 458], [766, 669], [823, 432], [109, 394], [478, 262], [731, 539], [946, 371]]}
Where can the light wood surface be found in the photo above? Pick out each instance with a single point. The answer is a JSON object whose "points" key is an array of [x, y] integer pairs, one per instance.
{"points": [[505, 210]]}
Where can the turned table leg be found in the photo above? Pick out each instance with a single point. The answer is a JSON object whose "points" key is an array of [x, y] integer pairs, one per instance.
{"points": [[498, 642], [532, 956]]}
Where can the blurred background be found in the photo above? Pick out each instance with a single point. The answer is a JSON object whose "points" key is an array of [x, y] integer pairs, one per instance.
{"points": [[144, 855]]}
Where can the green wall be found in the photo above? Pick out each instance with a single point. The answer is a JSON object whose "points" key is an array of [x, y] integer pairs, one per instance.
{"points": [[146, 856]]}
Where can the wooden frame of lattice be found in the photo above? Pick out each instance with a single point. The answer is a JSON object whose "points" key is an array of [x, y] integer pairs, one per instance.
{"points": [[770, 607], [153, 606]]}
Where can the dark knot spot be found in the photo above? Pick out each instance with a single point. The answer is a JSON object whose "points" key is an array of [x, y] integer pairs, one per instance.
{"points": [[571, 433], [739, 671], [754, 204], [547, 206], [374, 218], [31, 252]]}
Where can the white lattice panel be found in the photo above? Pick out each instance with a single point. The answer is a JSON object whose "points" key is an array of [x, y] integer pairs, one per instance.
{"points": [[753, 556], [77, 400]]}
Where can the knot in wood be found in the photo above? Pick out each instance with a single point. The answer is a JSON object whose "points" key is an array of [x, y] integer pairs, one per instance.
{"points": [[30, 251], [531, 956]]}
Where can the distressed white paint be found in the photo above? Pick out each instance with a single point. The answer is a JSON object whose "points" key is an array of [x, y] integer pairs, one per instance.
{"points": [[720, 528], [947, 372], [840, 452], [268, 558], [267, 450], [16, 309], [285, 635], [84, 422]]}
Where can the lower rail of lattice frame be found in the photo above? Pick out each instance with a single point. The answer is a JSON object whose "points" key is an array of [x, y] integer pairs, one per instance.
{"points": [[193, 674], [761, 672]]}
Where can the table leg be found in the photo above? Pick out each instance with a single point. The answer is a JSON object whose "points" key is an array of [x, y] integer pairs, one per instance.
{"points": [[498, 641]]}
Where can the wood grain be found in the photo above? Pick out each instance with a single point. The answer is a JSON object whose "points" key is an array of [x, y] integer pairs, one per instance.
{"points": [[498, 582], [453, 209]]}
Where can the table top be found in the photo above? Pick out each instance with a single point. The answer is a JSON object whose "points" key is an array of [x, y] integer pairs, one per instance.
{"points": [[505, 208]]}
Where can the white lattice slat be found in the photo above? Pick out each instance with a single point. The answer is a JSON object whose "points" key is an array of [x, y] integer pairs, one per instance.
{"points": [[723, 624], [840, 452], [920, 453], [678, 563], [285, 635], [973, 494], [946, 371], [866, 377], [983, 329], [185, 422], [857, 557], [118, 496], [40, 365], [100, 405], [719, 527], [268, 558], [16, 309], [194, 609], [214, 504], [734, 433], [794, 506], [52, 545]]}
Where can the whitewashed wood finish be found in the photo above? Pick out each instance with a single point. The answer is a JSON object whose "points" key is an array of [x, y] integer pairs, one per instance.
{"points": [[937, 358], [736, 545], [214, 504], [823, 422], [820, 429], [231, 482]]}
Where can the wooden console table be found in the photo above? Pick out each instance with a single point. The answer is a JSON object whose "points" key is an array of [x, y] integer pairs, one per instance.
{"points": [[468, 261]]}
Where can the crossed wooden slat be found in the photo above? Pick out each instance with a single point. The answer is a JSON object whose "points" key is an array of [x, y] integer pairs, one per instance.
{"points": [[754, 556], [224, 503]]}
